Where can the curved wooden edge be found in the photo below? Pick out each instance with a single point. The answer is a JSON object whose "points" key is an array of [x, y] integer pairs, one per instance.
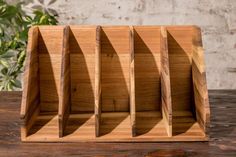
{"points": [[165, 82], [64, 99], [132, 84], [97, 81], [199, 81]]}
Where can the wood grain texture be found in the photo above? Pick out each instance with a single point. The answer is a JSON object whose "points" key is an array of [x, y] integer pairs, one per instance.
{"points": [[180, 58], [65, 97], [132, 84], [221, 142], [30, 96], [199, 81], [98, 90], [82, 57], [115, 50], [165, 82], [49, 51], [147, 68], [115, 83]]}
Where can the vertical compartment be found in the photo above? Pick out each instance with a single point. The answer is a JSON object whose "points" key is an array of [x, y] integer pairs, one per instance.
{"points": [[41, 98], [115, 82], [182, 94], [81, 122], [147, 67]]}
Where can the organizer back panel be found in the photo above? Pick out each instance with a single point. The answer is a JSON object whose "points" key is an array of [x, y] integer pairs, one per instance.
{"points": [[180, 63], [49, 53], [147, 68], [82, 64], [115, 59]]}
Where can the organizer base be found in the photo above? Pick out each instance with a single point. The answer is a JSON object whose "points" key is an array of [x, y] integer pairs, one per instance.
{"points": [[150, 125], [115, 127], [185, 126], [45, 128]]}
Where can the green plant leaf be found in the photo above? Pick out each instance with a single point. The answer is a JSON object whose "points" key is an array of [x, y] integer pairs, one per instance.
{"points": [[4, 71], [10, 12], [4, 62], [9, 54], [16, 83], [14, 26]]}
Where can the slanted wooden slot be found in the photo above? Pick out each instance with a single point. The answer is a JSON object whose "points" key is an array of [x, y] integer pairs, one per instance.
{"points": [[41, 94], [114, 83], [147, 54], [184, 73]]}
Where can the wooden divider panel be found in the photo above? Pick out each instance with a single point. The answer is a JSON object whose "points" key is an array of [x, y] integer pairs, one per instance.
{"points": [[199, 82], [132, 84], [165, 83], [64, 99], [98, 81]]}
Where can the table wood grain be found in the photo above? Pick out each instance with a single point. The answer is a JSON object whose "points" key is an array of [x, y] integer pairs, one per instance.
{"points": [[222, 135]]}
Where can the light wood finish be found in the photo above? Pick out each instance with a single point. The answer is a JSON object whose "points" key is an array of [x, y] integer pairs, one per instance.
{"points": [[180, 53], [132, 84], [147, 68], [114, 83], [115, 58], [98, 81], [221, 143], [165, 83], [64, 99], [199, 81], [30, 97], [82, 59], [50, 57]]}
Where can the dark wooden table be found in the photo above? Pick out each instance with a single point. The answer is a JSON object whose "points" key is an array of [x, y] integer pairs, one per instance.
{"points": [[222, 135]]}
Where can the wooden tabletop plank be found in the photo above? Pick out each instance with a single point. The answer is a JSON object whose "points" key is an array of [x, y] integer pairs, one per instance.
{"points": [[222, 135]]}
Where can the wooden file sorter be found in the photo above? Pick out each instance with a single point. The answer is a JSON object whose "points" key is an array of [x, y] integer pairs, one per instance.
{"points": [[114, 84]]}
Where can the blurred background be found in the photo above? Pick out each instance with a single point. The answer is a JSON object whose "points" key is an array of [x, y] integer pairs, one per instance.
{"points": [[217, 19]]}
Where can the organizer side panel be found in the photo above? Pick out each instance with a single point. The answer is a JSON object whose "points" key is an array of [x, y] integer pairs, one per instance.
{"points": [[199, 82], [30, 95], [82, 58], [50, 48], [115, 68], [147, 68]]}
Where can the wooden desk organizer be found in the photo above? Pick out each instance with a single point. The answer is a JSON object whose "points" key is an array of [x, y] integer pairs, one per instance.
{"points": [[114, 84]]}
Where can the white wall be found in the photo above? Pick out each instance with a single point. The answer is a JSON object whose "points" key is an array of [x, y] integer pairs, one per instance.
{"points": [[217, 18]]}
